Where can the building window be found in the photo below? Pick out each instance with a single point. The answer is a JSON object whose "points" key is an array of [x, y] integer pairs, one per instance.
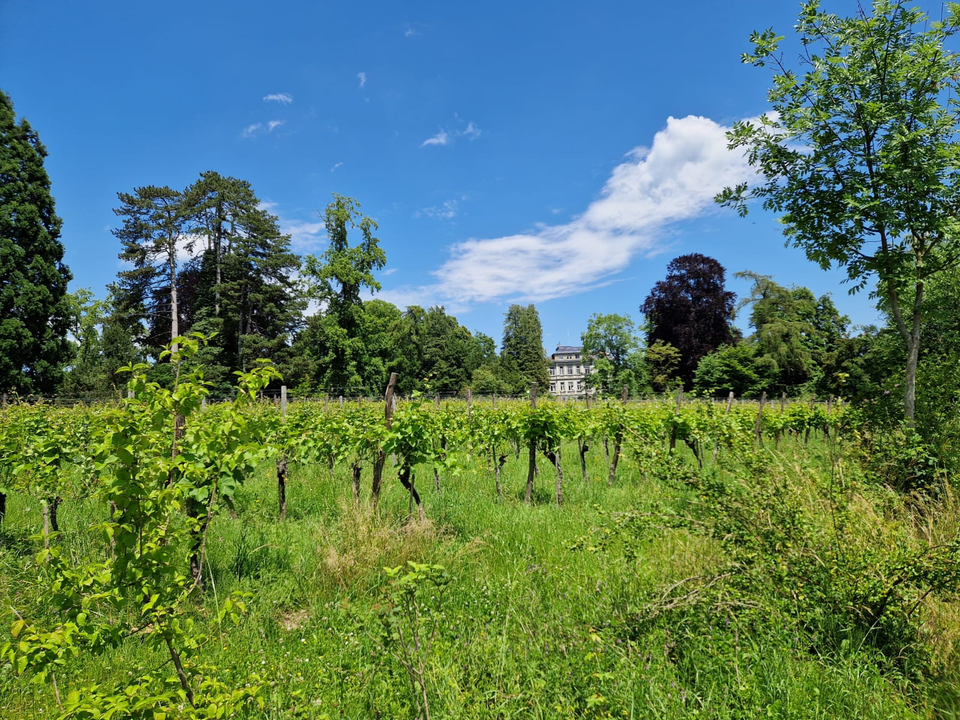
{"points": [[553, 387], [579, 385], [551, 369], [569, 369]]}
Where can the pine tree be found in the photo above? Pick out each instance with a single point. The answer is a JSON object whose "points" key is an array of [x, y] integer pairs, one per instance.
{"points": [[34, 312], [151, 234], [244, 289]]}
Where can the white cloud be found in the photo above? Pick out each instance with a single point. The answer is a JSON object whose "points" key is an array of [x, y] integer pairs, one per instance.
{"points": [[673, 180], [447, 211], [441, 138], [410, 32], [305, 237], [335, 166], [362, 77], [284, 98], [472, 131], [274, 124], [388, 271], [251, 130]]}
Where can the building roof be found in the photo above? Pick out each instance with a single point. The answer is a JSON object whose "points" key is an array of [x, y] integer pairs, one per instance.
{"points": [[568, 349]]}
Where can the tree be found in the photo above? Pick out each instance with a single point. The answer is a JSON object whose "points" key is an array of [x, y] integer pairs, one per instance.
{"points": [[151, 234], [242, 285], [522, 358], [34, 311], [737, 369], [662, 360], [611, 342], [861, 154], [338, 277], [691, 310], [794, 330]]}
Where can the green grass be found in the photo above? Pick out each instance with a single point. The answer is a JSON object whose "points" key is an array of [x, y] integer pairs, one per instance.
{"points": [[531, 628]]}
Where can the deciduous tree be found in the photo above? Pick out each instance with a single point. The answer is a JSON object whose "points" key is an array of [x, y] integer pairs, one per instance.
{"points": [[339, 276], [691, 310], [611, 343], [860, 155]]}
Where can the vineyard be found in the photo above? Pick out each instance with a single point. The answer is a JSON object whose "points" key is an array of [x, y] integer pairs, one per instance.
{"points": [[166, 557]]}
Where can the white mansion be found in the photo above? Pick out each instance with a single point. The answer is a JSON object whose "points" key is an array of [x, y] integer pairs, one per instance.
{"points": [[568, 372]]}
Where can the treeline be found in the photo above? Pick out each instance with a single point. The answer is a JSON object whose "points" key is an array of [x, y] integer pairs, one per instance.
{"points": [[210, 259]]}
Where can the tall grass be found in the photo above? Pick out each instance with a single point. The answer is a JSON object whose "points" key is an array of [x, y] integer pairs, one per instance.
{"points": [[533, 627]]}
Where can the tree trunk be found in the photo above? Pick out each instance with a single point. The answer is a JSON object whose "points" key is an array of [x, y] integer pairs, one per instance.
{"points": [[583, 447], [174, 305], [554, 458], [3, 506], [532, 468], [282, 485], [381, 456], [54, 504], [356, 481], [617, 441], [407, 480]]}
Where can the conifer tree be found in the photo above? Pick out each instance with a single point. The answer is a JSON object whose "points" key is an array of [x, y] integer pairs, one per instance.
{"points": [[34, 312], [522, 358]]}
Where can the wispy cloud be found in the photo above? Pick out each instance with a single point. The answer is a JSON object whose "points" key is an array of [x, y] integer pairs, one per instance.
{"points": [[446, 211], [472, 131], [362, 77], [251, 130], [655, 187], [388, 271], [305, 237], [284, 98], [441, 138], [410, 32], [335, 166]]}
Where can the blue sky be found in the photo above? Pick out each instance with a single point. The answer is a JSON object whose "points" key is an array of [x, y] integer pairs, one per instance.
{"points": [[559, 153]]}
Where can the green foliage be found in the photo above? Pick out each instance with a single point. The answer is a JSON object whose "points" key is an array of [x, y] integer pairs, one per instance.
{"points": [[157, 459], [736, 369], [337, 277], [34, 307], [410, 620], [522, 360], [690, 310], [860, 154], [613, 341], [663, 362]]}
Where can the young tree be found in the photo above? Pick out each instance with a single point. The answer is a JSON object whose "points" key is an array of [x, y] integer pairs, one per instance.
{"points": [[691, 310], [612, 343], [522, 358], [34, 311], [338, 277], [861, 154]]}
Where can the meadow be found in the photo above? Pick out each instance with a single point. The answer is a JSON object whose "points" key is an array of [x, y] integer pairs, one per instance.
{"points": [[783, 578]]}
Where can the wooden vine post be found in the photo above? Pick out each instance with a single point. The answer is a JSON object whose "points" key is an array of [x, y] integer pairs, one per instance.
{"points": [[757, 430], [617, 440], [716, 445], [673, 427], [532, 468], [282, 458], [388, 409]]}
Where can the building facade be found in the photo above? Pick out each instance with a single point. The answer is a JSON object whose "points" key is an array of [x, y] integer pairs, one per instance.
{"points": [[568, 372]]}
